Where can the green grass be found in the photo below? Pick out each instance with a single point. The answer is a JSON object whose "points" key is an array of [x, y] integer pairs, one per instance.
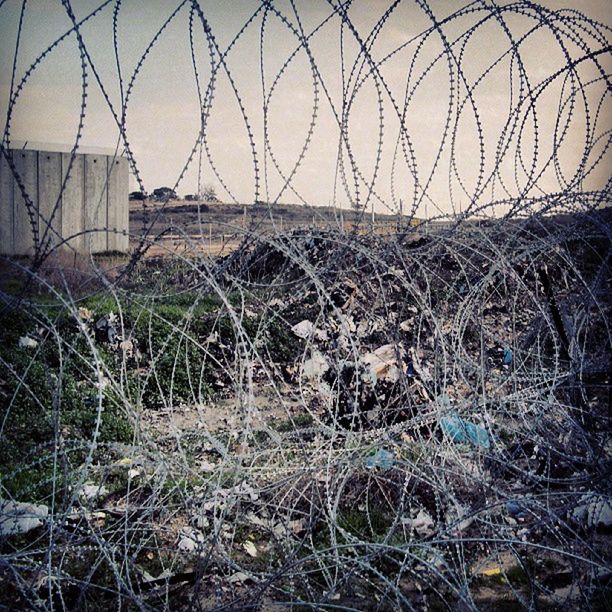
{"points": [[294, 423]]}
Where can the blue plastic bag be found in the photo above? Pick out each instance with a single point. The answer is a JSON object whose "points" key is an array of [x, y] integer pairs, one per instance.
{"points": [[515, 509], [464, 432], [508, 356], [382, 459]]}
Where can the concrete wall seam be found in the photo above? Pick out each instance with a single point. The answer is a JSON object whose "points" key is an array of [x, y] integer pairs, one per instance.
{"points": [[89, 215]]}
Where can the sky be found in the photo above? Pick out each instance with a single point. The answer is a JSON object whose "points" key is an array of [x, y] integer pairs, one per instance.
{"points": [[431, 120]]}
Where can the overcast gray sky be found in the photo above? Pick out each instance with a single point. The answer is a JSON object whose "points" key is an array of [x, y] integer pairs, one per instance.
{"points": [[163, 115]]}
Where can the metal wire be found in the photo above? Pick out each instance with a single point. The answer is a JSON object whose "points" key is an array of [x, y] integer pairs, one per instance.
{"points": [[328, 417]]}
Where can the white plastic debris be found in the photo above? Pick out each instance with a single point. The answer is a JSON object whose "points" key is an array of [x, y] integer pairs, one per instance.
{"points": [[19, 517], [321, 335], [213, 338], [297, 526], [459, 515], [423, 524], [347, 325], [190, 539], [186, 544], [27, 342], [92, 491], [146, 577], [303, 329], [102, 383], [239, 577], [384, 364], [250, 548], [315, 367]]}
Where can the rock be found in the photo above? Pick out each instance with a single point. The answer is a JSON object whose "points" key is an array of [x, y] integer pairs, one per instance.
{"points": [[105, 329], [593, 510], [19, 517]]}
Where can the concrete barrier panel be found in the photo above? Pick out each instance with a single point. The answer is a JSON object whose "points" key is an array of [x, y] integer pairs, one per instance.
{"points": [[26, 163], [118, 205], [94, 197], [73, 198], [49, 191], [6, 208], [95, 203]]}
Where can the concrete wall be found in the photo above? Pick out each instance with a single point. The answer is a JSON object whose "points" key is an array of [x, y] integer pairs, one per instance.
{"points": [[94, 201]]}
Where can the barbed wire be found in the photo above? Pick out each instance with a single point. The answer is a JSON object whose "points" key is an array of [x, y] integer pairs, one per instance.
{"points": [[326, 415]]}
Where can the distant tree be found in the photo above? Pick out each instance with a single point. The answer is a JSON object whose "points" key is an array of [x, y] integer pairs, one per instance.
{"points": [[192, 197], [164, 193], [137, 195], [209, 194]]}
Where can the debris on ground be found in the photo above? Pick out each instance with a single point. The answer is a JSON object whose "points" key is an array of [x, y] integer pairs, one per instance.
{"points": [[376, 417]]}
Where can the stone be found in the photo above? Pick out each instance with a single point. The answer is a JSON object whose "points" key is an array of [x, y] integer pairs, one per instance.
{"points": [[18, 517]]}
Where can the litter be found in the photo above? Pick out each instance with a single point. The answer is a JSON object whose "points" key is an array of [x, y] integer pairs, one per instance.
{"points": [[105, 329], [315, 367], [422, 523], [508, 356], [91, 491], [250, 548], [386, 362], [187, 545], [463, 432], [516, 510], [303, 329], [27, 342], [381, 459]]}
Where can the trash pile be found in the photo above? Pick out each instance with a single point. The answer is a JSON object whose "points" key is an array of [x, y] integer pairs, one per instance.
{"points": [[402, 422]]}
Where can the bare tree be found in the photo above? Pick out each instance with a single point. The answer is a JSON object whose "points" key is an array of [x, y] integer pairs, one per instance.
{"points": [[209, 193]]}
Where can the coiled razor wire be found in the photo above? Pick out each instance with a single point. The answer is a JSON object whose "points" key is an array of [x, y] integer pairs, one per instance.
{"points": [[327, 416]]}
